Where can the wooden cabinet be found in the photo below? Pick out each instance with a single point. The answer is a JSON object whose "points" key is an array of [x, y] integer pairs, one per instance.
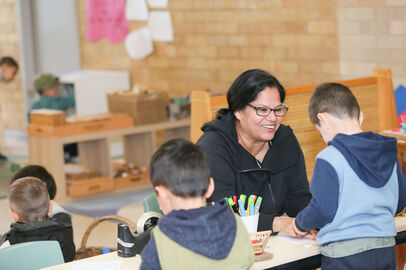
{"points": [[139, 143]]}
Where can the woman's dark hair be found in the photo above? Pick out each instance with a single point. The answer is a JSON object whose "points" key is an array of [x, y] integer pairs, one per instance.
{"points": [[182, 167], [246, 87], [38, 172]]}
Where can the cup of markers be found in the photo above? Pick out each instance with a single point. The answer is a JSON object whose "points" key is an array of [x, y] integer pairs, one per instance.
{"points": [[249, 215]]}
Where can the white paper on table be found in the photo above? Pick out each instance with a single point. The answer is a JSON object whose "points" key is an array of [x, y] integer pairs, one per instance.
{"points": [[158, 3], [102, 265], [306, 241], [136, 10], [160, 25], [5, 244], [139, 43]]}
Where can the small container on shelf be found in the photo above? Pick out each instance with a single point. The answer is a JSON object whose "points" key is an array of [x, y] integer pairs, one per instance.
{"points": [[128, 174], [47, 117], [84, 181]]}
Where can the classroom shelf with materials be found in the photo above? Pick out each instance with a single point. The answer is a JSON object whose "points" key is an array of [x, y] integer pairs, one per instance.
{"points": [[94, 136]]}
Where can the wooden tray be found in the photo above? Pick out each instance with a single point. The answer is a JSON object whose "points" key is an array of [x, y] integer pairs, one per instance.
{"points": [[79, 188], [117, 121]]}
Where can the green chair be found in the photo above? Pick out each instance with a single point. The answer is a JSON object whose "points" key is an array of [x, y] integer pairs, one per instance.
{"points": [[150, 204], [31, 255]]}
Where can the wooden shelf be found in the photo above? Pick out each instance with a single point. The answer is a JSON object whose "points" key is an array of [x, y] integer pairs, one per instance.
{"points": [[94, 152]]}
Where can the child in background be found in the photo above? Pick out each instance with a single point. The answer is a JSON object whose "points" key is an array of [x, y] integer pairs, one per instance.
{"points": [[30, 204], [191, 235], [357, 187], [8, 69], [58, 213], [47, 86]]}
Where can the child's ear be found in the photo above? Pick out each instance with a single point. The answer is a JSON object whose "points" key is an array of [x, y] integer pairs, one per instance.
{"points": [[51, 203], [322, 118], [162, 194], [361, 118], [210, 188], [15, 216]]}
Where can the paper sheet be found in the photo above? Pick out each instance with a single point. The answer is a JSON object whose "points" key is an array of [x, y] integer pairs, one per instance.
{"points": [[139, 43], [158, 3], [306, 241], [160, 25], [136, 10], [103, 265]]}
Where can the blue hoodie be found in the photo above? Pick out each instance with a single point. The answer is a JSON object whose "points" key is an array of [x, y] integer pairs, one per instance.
{"points": [[209, 231], [357, 187]]}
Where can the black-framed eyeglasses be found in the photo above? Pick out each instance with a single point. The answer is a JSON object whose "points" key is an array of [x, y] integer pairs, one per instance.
{"points": [[280, 110]]}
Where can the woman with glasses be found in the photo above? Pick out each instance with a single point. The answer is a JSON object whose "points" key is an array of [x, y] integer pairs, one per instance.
{"points": [[252, 153]]}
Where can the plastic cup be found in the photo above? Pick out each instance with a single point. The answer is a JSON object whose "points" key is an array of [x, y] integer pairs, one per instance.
{"points": [[251, 223]]}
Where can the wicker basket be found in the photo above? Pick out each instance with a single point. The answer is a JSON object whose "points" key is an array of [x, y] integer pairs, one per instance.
{"points": [[85, 252], [262, 238]]}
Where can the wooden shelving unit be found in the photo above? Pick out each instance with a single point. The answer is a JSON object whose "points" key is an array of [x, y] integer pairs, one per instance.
{"points": [[94, 152]]}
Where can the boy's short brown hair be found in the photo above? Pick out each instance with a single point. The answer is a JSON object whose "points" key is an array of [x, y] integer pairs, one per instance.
{"points": [[333, 98], [29, 198]]}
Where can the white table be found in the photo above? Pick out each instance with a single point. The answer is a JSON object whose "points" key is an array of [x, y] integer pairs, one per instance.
{"points": [[126, 263], [283, 252]]}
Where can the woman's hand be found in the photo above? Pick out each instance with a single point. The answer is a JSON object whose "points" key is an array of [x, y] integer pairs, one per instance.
{"points": [[287, 225]]}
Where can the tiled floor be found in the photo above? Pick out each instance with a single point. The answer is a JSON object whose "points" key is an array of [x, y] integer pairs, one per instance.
{"points": [[104, 234]]}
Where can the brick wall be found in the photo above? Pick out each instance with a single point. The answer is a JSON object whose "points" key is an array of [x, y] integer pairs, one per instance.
{"points": [[11, 95], [214, 41], [372, 33], [300, 41]]}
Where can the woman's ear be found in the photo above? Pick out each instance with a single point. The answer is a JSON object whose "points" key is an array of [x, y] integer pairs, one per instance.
{"points": [[237, 115], [210, 188]]}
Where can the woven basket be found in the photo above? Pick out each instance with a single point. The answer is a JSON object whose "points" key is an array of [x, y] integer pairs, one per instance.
{"points": [[85, 252], [262, 238]]}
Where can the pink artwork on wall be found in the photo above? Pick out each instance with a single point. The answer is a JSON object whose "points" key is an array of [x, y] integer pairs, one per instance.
{"points": [[106, 19]]}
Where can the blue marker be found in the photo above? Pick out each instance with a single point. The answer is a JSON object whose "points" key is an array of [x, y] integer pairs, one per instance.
{"points": [[241, 206]]}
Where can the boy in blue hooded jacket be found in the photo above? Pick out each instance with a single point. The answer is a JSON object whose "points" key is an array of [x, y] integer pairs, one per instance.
{"points": [[357, 186], [191, 235]]}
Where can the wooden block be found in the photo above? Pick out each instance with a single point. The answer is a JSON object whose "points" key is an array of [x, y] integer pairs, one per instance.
{"points": [[89, 186], [47, 117], [117, 121]]}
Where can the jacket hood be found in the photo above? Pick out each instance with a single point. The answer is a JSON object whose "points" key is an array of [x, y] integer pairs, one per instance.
{"points": [[284, 148], [209, 231], [370, 155], [224, 125]]}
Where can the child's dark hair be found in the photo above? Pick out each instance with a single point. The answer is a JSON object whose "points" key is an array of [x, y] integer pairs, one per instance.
{"points": [[9, 61], [333, 98], [182, 167], [38, 172], [29, 198]]}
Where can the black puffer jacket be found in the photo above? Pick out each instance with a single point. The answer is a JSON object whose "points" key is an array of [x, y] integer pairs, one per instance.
{"points": [[281, 180], [48, 229]]}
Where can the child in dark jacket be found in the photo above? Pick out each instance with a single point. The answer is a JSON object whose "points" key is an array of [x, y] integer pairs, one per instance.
{"points": [[58, 213], [191, 235], [357, 186], [30, 204]]}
